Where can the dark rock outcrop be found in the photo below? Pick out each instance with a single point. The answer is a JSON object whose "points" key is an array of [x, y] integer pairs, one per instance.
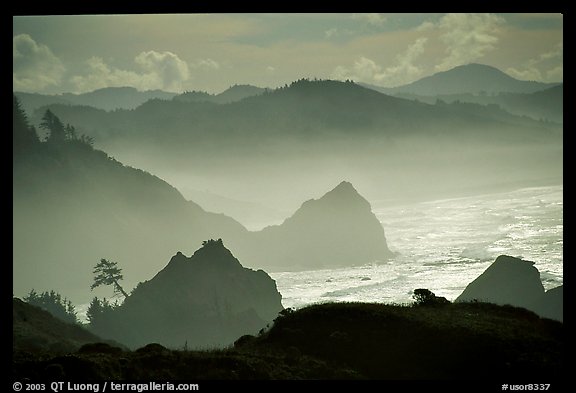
{"points": [[338, 229], [515, 282], [551, 305], [206, 300]]}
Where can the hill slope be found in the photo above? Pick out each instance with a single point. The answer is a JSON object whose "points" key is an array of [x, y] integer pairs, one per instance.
{"points": [[36, 330], [73, 205], [475, 342]]}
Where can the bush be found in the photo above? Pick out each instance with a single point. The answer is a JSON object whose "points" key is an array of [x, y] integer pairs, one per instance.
{"points": [[425, 297]]}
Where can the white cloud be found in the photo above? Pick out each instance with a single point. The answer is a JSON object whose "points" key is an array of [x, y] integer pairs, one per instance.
{"points": [[425, 26], [156, 70], [467, 37], [99, 75], [330, 33], [403, 70], [547, 66], [34, 66], [166, 67], [363, 70], [372, 19], [207, 64], [555, 74]]}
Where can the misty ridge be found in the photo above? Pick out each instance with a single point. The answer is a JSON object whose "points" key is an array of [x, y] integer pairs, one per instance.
{"points": [[285, 179], [339, 129]]}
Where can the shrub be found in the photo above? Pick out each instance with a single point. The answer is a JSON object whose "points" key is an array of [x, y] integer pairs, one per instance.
{"points": [[425, 297]]}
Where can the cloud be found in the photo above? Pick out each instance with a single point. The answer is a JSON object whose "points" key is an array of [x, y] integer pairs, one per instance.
{"points": [[155, 70], [166, 67], [403, 70], [207, 64], [467, 37], [330, 33], [547, 66], [99, 75], [426, 26], [372, 19], [34, 66]]}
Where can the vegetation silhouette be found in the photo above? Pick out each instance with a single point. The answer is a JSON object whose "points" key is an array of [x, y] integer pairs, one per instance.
{"points": [[23, 134], [425, 297], [461, 341], [53, 302], [108, 273]]}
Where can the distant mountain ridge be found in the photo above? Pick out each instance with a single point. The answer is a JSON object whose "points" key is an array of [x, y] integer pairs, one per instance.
{"points": [[114, 98], [108, 98], [547, 104], [469, 78], [327, 122], [304, 109], [232, 94]]}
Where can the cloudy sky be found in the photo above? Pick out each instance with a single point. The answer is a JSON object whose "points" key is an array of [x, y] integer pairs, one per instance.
{"points": [[54, 54]]}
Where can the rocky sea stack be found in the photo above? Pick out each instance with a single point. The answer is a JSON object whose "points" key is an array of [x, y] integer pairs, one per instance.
{"points": [[203, 301], [515, 282], [338, 229]]}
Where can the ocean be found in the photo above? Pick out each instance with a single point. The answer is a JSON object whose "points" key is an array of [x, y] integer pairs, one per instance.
{"points": [[443, 245]]}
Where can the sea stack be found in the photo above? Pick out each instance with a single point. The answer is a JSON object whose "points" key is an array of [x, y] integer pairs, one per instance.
{"points": [[338, 229], [203, 301], [515, 282]]}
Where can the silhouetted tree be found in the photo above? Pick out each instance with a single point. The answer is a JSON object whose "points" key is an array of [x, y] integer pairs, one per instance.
{"points": [[52, 124], [212, 242], [87, 140], [70, 132], [53, 302], [97, 309], [108, 273], [23, 134]]}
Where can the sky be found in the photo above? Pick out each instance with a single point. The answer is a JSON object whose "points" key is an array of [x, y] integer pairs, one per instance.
{"points": [[211, 52]]}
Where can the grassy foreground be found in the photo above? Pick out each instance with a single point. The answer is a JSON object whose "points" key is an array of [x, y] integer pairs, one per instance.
{"points": [[338, 341]]}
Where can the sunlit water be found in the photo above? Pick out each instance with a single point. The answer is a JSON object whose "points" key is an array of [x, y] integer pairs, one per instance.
{"points": [[442, 246]]}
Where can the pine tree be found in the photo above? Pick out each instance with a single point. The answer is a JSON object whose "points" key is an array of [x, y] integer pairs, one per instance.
{"points": [[23, 134], [108, 273], [52, 124], [53, 302]]}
